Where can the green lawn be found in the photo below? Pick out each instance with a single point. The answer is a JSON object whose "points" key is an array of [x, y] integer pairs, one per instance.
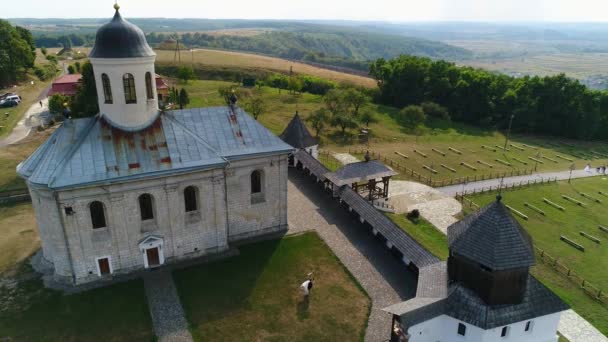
{"points": [[425, 233], [30, 312], [12, 155], [255, 296]]}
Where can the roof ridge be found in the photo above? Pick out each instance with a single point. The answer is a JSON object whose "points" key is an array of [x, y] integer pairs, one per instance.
{"points": [[196, 136], [75, 146]]}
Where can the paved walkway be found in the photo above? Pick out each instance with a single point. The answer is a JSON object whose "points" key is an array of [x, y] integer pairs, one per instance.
{"points": [[168, 318], [560, 175], [577, 329], [24, 126], [384, 277]]}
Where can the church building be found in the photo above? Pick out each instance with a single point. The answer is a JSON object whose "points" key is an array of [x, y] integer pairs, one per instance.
{"points": [[135, 187], [484, 293]]}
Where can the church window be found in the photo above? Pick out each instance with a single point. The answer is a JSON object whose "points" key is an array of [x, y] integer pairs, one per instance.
{"points": [[107, 89], [504, 332], [190, 199], [256, 182], [528, 326], [128, 83], [98, 215], [149, 91], [146, 209], [462, 329]]}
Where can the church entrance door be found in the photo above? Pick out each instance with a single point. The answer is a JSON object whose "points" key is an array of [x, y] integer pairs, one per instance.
{"points": [[153, 257]]}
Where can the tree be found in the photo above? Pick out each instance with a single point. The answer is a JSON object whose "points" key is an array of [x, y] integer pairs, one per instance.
{"points": [[85, 101], [43, 50], [255, 106], [183, 98], [433, 110], [57, 103], [355, 99], [318, 120], [185, 74], [367, 117], [344, 121], [294, 85], [71, 69], [278, 81], [78, 67], [411, 116], [16, 52]]}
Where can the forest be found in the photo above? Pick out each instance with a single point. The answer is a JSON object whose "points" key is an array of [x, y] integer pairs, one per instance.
{"points": [[551, 105]]}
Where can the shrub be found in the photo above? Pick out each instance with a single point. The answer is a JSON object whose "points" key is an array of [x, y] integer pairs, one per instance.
{"points": [[411, 116], [413, 215], [435, 110]]}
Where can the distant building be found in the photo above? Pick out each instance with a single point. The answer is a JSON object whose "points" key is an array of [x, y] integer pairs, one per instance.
{"points": [[297, 135], [68, 84], [485, 292], [135, 188]]}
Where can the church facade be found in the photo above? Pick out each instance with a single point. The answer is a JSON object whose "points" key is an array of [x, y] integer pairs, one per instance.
{"points": [[136, 187]]}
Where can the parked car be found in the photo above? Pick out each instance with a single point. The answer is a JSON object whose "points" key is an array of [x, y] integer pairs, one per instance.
{"points": [[13, 97], [8, 103]]}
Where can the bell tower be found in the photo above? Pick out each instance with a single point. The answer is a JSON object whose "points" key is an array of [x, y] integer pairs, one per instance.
{"points": [[123, 64]]}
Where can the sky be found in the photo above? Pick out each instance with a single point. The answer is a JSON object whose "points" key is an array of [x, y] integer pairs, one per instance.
{"points": [[384, 10]]}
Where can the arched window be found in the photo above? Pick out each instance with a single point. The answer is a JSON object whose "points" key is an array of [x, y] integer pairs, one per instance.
{"points": [[256, 182], [128, 83], [107, 89], [146, 209], [149, 88], [190, 199], [98, 215]]}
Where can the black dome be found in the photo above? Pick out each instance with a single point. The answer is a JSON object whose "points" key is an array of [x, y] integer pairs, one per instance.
{"points": [[120, 39]]}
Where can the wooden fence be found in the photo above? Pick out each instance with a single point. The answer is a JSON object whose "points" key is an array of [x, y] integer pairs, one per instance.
{"points": [[412, 174], [505, 187], [13, 196], [587, 287]]}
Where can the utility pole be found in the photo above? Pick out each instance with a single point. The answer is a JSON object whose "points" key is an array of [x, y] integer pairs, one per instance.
{"points": [[508, 134], [572, 167]]}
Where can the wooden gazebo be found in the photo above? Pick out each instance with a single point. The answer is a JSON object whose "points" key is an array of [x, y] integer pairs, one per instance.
{"points": [[364, 177]]}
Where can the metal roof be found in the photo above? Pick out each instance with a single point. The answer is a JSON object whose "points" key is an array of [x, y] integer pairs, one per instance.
{"points": [[312, 164], [120, 39], [297, 135], [358, 172], [493, 238], [459, 302], [91, 151]]}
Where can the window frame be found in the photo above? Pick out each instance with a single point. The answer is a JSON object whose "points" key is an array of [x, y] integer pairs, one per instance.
{"points": [[103, 215], [141, 208], [464, 329], [107, 89], [256, 188], [504, 332], [528, 327], [128, 83], [187, 207], [149, 89]]}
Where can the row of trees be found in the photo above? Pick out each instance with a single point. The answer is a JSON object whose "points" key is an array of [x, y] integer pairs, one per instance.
{"points": [[17, 52], [552, 105]]}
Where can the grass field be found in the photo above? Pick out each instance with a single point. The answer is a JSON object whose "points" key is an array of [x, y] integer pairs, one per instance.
{"points": [[255, 296], [30, 312], [204, 57], [546, 230], [29, 94], [11, 156], [425, 233], [389, 137]]}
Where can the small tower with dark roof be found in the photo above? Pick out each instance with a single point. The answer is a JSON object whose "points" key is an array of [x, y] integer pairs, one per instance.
{"points": [[297, 135], [491, 254], [123, 64]]}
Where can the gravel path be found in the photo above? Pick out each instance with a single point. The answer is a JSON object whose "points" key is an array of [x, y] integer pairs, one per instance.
{"points": [[383, 277], [561, 175], [345, 158], [168, 318], [577, 329]]}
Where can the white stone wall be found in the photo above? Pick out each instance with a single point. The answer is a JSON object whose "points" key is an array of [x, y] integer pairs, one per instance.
{"points": [[132, 115], [445, 328], [219, 218], [184, 235], [247, 219]]}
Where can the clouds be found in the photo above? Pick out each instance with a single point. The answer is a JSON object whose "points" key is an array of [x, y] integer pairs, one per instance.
{"points": [[391, 10]]}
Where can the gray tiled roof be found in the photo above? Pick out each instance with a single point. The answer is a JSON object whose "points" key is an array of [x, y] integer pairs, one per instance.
{"points": [[312, 164], [463, 304], [297, 135], [361, 171], [409, 247], [87, 151], [493, 238]]}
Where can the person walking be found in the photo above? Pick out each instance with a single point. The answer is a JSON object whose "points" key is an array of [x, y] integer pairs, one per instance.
{"points": [[307, 285], [40, 104]]}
